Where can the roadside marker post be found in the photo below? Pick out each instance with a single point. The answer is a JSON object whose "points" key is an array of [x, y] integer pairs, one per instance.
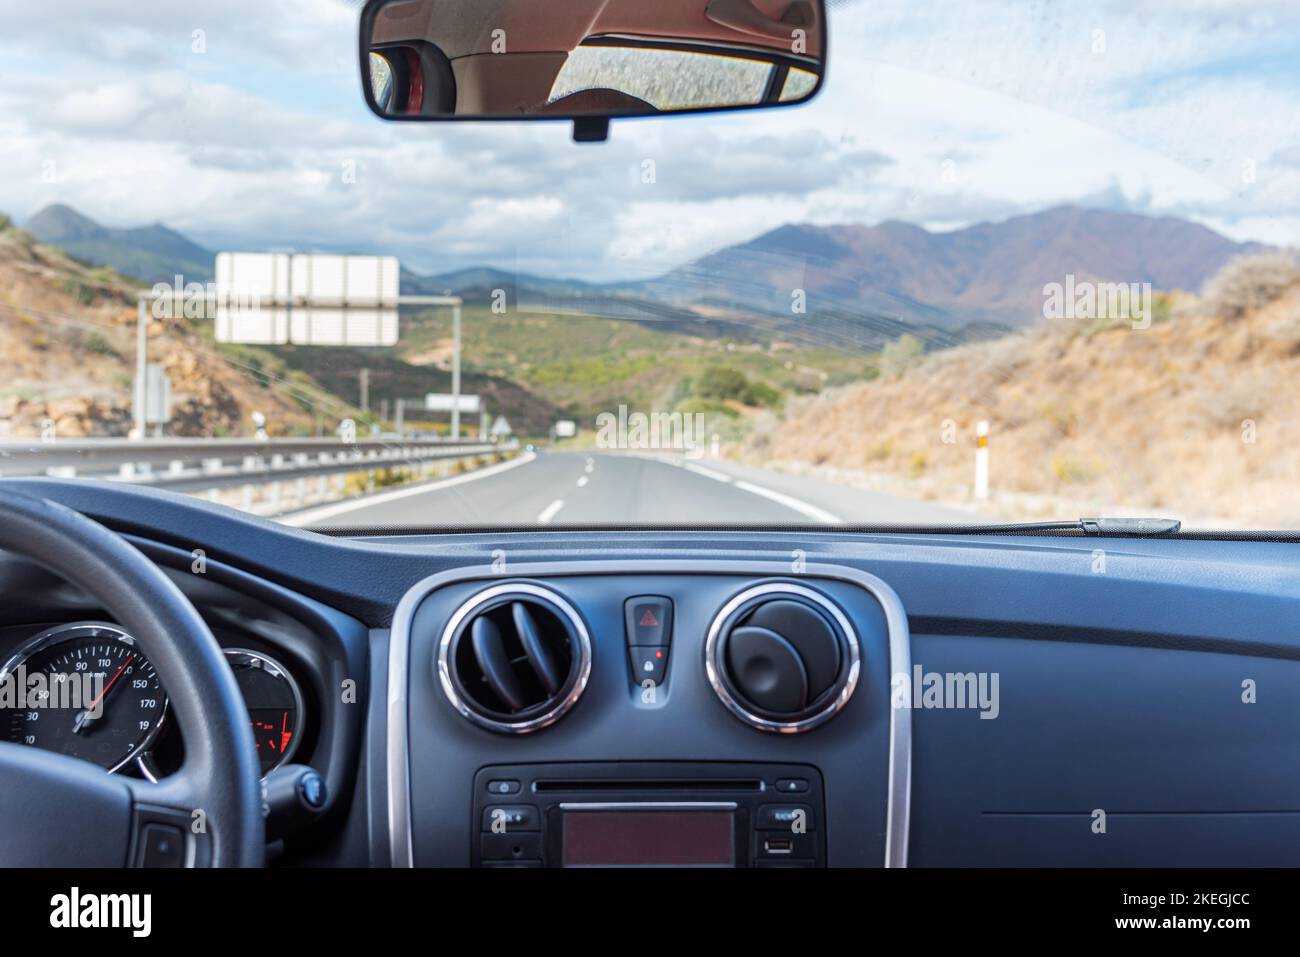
{"points": [[982, 460]]}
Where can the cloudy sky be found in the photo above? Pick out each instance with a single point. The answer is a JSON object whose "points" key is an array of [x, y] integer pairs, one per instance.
{"points": [[941, 113]]}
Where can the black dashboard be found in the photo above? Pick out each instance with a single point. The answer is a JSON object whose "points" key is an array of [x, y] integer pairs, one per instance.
{"points": [[763, 698]]}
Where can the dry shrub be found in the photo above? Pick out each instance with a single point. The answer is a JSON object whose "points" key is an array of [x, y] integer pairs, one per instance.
{"points": [[1250, 282]]}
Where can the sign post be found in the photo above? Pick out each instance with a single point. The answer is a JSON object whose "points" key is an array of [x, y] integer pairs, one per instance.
{"points": [[324, 300], [141, 362]]}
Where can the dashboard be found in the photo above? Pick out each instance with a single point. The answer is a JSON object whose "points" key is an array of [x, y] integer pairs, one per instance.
{"points": [[590, 698]]}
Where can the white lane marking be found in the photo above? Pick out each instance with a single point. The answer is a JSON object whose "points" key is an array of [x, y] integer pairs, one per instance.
{"points": [[582, 480], [707, 473], [789, 501], [591, 464], [313, 515], [548, 513]]}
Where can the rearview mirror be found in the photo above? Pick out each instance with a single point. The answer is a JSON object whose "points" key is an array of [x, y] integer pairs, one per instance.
{"points": [[587, 61]]}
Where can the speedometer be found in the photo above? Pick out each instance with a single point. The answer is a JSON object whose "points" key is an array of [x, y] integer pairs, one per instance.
{"points": [[84, 690]]}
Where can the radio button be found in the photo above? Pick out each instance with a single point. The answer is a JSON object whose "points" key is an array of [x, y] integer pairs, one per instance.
{"points": [[792, 785], [509, 818], [503, 787], [784, 817]]}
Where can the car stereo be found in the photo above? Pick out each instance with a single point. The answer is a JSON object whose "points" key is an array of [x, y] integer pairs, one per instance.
{"points": [[649, 815]]}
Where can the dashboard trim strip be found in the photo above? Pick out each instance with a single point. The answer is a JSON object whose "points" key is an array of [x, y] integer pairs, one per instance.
{"points": [[899, 784]]}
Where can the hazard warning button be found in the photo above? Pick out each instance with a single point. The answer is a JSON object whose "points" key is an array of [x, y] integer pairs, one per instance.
{"points": [[649, 620]]}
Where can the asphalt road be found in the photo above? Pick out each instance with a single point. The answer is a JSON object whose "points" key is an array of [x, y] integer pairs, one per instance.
{"points": [[574, 488]]}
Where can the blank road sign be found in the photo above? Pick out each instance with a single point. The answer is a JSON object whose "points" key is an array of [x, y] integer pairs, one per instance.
{"points": [[445, 402], [343, 327], [345, 280], [307, 299], [157, 396]]}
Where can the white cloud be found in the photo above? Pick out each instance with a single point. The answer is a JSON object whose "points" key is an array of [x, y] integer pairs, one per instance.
{"points": [[940, 113]]}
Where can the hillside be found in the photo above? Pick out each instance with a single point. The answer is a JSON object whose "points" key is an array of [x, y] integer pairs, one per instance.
{"points": [[1197, 417], [986, 273], [392, 377], [148, 253], [67, 356], [585, 365]]}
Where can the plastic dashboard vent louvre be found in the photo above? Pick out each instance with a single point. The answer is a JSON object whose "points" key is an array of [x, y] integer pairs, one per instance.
{"points": [[782, 657], [514, 660]]}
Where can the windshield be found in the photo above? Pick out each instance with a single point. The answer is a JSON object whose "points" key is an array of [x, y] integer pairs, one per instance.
{"points": [[1014, 262]]}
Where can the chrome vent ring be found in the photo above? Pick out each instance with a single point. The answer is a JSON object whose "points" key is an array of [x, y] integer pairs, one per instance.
{"points": [[782, 657], [514, 658]]}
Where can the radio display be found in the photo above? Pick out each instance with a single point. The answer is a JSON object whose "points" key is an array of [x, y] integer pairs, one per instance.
{"points": [[659, 837]]}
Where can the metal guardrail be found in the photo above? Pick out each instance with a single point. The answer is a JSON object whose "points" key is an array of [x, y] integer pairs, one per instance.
{"points": [[198, 464]]}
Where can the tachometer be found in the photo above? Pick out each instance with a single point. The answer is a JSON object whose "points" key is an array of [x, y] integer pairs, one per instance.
{"points": [[84, 690], [274, 704]]}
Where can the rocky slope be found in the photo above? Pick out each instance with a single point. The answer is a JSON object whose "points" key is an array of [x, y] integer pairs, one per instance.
{"points": [[1196, 417], [67, 359]]}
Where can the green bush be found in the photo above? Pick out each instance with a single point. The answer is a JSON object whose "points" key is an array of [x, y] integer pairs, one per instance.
{"points": [[719, 382], [79, 291], [722, 384], [902, 354], [706, 406], [97, 344]]}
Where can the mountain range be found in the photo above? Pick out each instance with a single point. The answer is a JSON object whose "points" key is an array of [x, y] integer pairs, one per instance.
{"points": [[152, 253], [986, 273], [864, 284]]}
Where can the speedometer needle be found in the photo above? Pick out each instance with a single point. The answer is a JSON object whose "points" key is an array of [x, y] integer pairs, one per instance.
{"points": [[84, 716]]}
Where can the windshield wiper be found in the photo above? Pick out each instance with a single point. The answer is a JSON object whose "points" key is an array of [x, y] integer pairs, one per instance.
{"points": [[1101, 526]]}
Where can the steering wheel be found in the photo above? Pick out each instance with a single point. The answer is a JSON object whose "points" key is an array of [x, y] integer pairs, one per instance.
{"points": [[56, 811]]}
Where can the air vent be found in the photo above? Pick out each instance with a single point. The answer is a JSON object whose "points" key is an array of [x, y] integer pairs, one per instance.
{"points": [[514, 658], [782, 657]]}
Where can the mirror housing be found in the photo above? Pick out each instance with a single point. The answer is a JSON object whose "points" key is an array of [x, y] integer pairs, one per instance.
{"points": [[587, 61]]}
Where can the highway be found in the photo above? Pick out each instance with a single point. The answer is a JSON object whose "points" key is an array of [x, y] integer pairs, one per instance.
{"points": [[581, 488]]}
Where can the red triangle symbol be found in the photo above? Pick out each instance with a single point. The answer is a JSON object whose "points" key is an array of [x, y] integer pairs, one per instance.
{"points": [[648, 620]]}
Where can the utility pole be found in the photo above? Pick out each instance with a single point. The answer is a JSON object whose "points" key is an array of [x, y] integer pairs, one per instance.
{"points": [[455, 370], [365, 390]]}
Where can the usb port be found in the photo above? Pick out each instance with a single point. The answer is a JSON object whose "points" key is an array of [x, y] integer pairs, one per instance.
{"points": [[778, 845]]}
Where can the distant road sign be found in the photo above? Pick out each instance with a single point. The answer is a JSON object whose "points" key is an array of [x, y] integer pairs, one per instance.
{"points": [[343, 327], [322, 280], [566, 429], [445, 402], [158, 396], [501, 427], [307, 299]]}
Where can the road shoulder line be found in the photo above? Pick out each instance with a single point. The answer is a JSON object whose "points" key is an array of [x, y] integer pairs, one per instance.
{"points": [[313, 515]]}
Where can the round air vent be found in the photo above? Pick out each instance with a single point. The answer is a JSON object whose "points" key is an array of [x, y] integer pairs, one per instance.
{"points": [[782, 657], [514, 658]]}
